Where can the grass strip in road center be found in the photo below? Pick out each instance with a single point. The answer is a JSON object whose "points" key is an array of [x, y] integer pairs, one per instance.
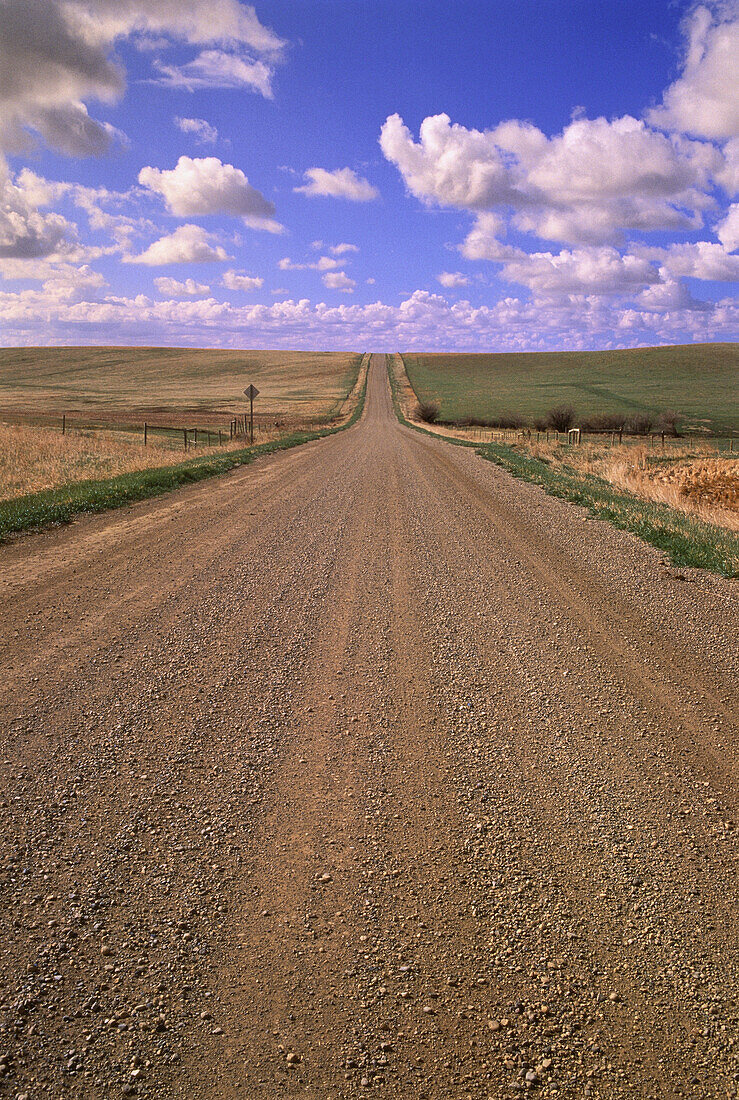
{"points": [[688, 542], [61, 505]]}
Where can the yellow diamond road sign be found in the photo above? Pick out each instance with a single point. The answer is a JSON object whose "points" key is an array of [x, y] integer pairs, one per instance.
{"points": [[251, 392]]}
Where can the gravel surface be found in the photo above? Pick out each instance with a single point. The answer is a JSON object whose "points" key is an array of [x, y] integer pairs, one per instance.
{"points": [[365, 769]]}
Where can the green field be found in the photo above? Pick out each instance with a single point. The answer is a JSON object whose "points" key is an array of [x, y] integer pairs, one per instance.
{"points": [[699, 381], [150, 381]]}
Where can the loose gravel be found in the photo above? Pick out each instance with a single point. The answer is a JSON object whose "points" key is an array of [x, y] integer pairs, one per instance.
{"points": [[365, 770]]}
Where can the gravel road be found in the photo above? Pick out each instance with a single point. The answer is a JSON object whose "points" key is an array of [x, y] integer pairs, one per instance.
{"points": [[365, 770]]}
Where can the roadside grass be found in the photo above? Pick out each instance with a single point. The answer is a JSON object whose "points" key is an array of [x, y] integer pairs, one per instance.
{"points": [[686, 540], [699, 381], [34, 459], [690, 476], [60, 505]]}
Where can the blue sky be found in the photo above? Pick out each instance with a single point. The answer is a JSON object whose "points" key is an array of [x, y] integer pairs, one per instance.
{"points": [[369, 174]]}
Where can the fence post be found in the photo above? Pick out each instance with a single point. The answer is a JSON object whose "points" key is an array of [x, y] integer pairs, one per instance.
{"points": [[64, 424], [184, 437], [145, 432]]}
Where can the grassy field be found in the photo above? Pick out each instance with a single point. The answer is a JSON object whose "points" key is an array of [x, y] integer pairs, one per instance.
{"points": [[699, 381], [173, 383], [684, 503]]}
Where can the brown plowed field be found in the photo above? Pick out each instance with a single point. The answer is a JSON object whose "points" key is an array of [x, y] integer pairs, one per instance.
{"points": [[365, 770]]}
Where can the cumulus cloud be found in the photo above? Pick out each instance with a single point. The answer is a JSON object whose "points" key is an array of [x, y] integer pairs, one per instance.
{"points": [[25, 232], [56, 55], [189, 244], [339, 280], [702, 260], [727, 230], [582, 271], [451, 279], [670, 296], [201, 130], [327, 263], [583, 186], [202, 186], [232, 280], [173, 288], [342, 183], [342, 249], [703, 100]]}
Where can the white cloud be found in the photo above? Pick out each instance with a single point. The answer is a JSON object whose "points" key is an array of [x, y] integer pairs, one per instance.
{"points": [[727, 230], [342, 249], [205, 185], [55, 55], [339, 280], [69, 283], [728, 174], [323, 263], [670, 296], [26, 233], [173, 288], [582, 271], [703, 100], [199, 128], [266, 225], [233, 281], [586, 185], [702, 260], [342, 183], [327, 263], [482, 243], [452, 279], [423, 321], [189, 244], [218, 69]]}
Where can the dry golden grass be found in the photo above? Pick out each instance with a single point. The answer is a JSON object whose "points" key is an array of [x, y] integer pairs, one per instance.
{"points": [[149, 383], [34, 459], [691, 477]]}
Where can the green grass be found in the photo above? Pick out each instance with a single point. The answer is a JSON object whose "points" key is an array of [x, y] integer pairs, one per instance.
{"points": [[61, 505], [700, 381], [686, 541]]}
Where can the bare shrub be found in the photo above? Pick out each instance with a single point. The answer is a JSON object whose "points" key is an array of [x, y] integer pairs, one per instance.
{"points": [[510, 420], [428, 411], [561, 418], [640, 424], [669, 422], [604, 422]]}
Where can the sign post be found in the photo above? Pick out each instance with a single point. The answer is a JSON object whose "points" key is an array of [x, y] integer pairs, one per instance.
{"points": [[251, 392]]}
